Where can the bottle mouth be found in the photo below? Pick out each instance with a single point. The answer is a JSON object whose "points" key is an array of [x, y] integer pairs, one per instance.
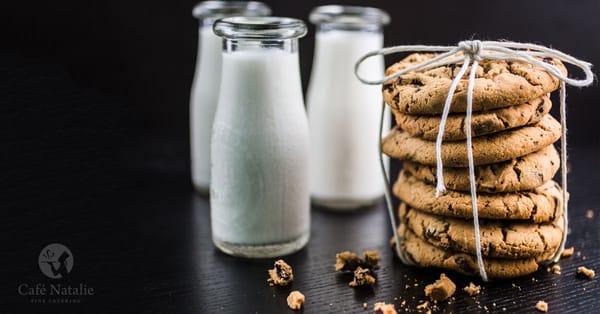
{"points": [[259, 28], [220, 9], [350, 17]]}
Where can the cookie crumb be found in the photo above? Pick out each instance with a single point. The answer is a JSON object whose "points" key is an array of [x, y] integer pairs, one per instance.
{"points": [[346, 261], [365, 305], [349, 261], [384, 308], [371, 259], [568, 252], [281, 274], [441, 289], [423, 307], [589, 214], [472, 289], [295, 300], [541, 306], [362, 277], [555, 269], [590, 273]]}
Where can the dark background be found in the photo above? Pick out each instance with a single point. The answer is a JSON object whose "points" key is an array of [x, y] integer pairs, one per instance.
{"points": [[94, 132], [143, 52]]}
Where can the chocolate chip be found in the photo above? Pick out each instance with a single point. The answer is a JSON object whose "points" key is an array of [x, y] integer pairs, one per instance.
{"points": [[281, 272], [548, 60], [540, 109], [463, 264], [389, 88], [412, 81], [452, 69], [518, 172], [430, 232]]}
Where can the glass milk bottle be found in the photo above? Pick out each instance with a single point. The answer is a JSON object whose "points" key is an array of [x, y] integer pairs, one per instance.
{"points": [[205, 86], [344, 114], [260, 203]]}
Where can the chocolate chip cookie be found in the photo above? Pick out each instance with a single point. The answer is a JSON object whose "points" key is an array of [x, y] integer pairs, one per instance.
{"points": [[487, 149], [518, 174], [497, 84], [426, 255], [482, 123], [499, 238], [542, 204]]}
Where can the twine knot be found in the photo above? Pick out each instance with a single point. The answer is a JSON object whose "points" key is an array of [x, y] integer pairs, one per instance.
{"points": [[472, 48]]}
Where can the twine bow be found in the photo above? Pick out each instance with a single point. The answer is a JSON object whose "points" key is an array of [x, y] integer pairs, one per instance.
{"points": [[473, 52]]}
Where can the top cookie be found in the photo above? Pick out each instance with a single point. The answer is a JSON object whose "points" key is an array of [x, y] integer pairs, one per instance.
{"points": [[497, 84]]}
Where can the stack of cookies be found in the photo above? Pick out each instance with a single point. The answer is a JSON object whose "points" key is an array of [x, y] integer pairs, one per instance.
{"points": [[520, 207]]}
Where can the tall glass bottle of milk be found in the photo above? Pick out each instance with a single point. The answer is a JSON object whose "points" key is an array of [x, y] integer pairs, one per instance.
{"points": [[260, 202], [205, 86], [344, 114]]}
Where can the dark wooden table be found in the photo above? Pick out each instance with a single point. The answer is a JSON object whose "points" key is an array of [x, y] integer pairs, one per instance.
{"points": [[75, 173]]}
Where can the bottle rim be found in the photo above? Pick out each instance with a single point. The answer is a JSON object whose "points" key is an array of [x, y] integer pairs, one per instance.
{"points": [[259, 28], [349, 16], [221, 9]]}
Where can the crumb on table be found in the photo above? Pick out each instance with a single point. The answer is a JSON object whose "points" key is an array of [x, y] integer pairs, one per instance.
{"points": [[441, 289], [568, 252], [555, 269], [384, 308], [589, 214], [295, 300], [423, 307], [541, 306], [346, 261], [472, 289], [590, 273], [281, 274], [362, 277], [371, 259], [349, 261]]}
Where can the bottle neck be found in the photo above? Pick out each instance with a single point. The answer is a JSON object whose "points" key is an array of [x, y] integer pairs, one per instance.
{"points": [[371, 28], [285, 45], [207, 21]]}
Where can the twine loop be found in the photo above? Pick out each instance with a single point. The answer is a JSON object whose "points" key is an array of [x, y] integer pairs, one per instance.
{"points": [[473, 52]]}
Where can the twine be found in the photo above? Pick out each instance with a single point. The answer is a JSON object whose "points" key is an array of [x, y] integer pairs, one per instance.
{"points": [[473, 52]]}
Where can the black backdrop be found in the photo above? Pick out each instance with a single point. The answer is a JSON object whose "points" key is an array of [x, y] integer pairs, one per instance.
{"points": [[142, 52]]}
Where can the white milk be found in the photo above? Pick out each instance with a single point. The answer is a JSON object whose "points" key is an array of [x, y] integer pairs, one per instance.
{"points": [[203, 104], [259, 191], [344, 117]]}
